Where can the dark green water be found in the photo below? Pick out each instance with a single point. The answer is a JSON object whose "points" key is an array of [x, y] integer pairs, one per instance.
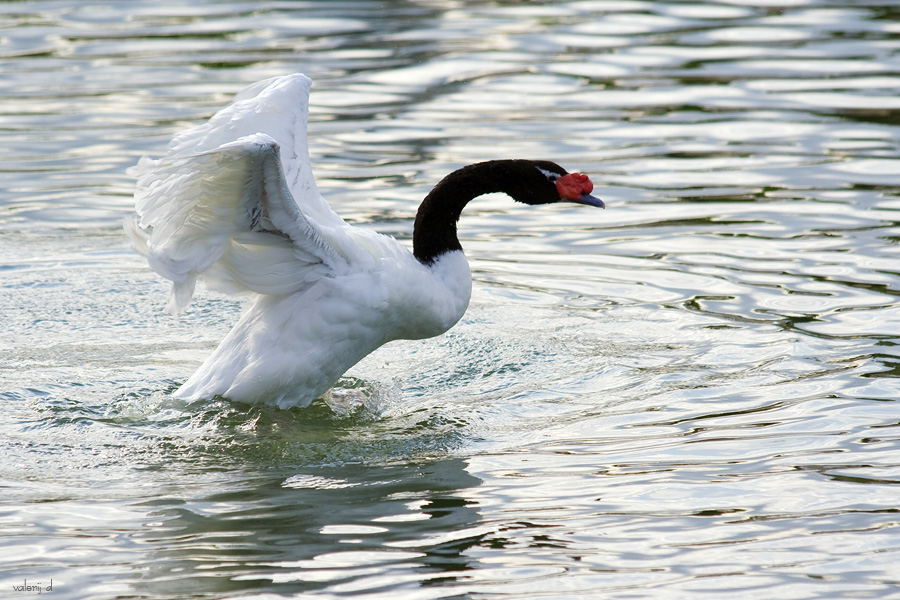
{"points": [[692, 394]]}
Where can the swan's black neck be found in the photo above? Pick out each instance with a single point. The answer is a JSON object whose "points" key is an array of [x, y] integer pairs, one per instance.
{"points": [[435, 228]]}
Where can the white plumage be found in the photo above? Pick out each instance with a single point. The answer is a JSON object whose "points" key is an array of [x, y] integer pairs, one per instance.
{"points": [[234, 202]]}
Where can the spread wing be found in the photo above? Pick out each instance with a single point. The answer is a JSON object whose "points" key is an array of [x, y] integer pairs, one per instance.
{"points": [[234, 201], [227, 215], [279, 108]]}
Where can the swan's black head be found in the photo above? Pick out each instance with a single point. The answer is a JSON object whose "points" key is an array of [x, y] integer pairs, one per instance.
{"points": [[546, 182]]}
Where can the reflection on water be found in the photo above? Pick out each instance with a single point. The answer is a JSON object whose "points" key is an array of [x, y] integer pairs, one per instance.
{"points": [[662, 399], [329, 527]]}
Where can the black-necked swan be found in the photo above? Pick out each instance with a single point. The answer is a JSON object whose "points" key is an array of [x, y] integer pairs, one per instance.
{"points": [[234, 202]]}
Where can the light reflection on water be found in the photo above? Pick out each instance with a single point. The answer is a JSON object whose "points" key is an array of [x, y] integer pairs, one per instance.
{"points": [[663, 399]]}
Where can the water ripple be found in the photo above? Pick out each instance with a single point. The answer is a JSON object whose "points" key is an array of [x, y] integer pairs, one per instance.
{"points": [[661, 399]]}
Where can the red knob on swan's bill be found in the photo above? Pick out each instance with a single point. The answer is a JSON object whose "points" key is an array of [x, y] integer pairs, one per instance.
{"points": [[577, 187]]}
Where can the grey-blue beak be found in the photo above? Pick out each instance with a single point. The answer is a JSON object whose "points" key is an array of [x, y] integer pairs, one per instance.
{"points": [[590, 201]]}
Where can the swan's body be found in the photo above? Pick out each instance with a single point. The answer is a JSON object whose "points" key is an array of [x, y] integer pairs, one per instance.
{"points": [[234, 202]]}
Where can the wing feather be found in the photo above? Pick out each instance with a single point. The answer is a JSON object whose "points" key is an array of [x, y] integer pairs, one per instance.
{"points": [[227, 215], [279, 108]]}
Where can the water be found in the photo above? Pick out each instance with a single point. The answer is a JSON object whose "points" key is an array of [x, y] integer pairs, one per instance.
{"points": [[690, 394]]}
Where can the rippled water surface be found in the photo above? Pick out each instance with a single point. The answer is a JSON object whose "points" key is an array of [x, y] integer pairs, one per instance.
{"points": [[692, 394]]}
